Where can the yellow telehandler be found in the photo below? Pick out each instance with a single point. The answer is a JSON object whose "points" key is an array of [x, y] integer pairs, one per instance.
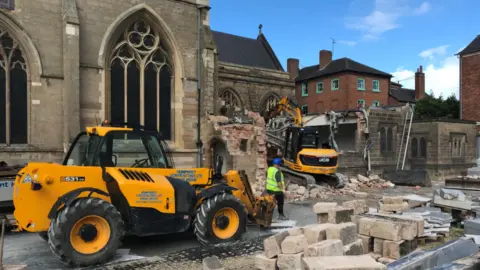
{"points": [[119, 179]]}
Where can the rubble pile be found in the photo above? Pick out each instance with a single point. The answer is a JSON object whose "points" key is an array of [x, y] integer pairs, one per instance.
{"points": [[331, 244], [323, 192]]}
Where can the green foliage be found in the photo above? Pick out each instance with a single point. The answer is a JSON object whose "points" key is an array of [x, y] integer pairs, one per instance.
{"points": [[437, 107]]}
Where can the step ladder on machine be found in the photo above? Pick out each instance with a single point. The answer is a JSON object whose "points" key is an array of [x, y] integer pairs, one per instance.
{"points": [[402, 152]]}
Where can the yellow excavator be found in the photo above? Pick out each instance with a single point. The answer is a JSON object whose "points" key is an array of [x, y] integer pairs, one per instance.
{"points": [[120, 179], [305, 158]]}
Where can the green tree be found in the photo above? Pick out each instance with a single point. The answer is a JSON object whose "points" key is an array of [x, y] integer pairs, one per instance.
{"points": [[437, 107]]}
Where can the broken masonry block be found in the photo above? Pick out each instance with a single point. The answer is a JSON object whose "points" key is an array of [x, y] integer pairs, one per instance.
{"points": [[367, 243], [322, 218], [397, 249], [212, 263], [347, 232], [294, 244], [332, 247], [264, 263], [316, 233], [355, 248], [360, 194], [418, 220], [361, 262], [323, 207], [358, 206], [340, 215], [378, 246], [379, 228], [295, 231], [392, 199], [400, 207], [290, 261], [272, 244]]}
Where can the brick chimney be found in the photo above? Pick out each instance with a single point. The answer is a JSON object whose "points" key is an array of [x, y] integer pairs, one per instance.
{"points": [[419, 83], [325, 58], [292, 67]]}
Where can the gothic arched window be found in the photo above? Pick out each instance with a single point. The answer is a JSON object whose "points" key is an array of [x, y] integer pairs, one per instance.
{"points": [[141, 80], [230, 98], [13, 92]]}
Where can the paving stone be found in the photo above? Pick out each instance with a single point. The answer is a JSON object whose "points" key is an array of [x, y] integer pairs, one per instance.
{"points": [[355, 248], [290, 261], [323, 207], [347, 232], [264, 263], [397, 249], [361, 262], [367, 243], [272, 244], [399, 207], [384, 229], [322, 218], [325, 248], [340, 215], [393, 199], [358, 206], [294, 244], [378, 246], [317, 233], [212, 263]]}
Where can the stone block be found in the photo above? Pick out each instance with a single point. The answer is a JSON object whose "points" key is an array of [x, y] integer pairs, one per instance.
{"points": [[399, 207], [290, 261], [264, 263], [358, 206], [294, 244], [392, 199], [295, 231], [360, 194], [362, 262], [340, 215], [323, 207], [418, 220], [362, 178], [347, 232], [322, 218], [379, 228], [397, 249], [272, 244], [452, 194], [325, 248], [378, 246], [367, 243], [212, 263], [355, 248], [316, 233]]}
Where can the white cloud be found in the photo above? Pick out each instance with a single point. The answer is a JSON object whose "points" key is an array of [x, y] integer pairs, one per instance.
{"points": [[347, 42], [384, 17], [422, 9], [442, 79], [434, 52]]}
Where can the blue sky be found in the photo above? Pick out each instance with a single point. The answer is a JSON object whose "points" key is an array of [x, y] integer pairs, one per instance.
{"points": [[395, 36]]}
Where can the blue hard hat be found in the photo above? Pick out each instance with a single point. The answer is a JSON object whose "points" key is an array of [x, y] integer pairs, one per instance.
{"points": [[277, 161]]}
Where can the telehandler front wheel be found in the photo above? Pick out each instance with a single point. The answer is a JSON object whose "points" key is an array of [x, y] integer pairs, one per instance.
{"points": [[87, 233], [219, 219]]}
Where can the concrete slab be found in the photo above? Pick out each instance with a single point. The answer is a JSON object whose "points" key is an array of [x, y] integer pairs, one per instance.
{"points": [[264, 263], [463, 205], [294, 244], [355, 248], [290, 261], [347, 232], [362, 262], [472, 226], [325, 248]]}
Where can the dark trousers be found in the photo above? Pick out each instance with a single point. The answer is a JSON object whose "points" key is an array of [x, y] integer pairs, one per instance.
{"points": [[280, 199]]}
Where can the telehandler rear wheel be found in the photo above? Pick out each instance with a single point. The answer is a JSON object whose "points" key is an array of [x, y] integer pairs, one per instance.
{"points": [[87, 233], [221, 218]]}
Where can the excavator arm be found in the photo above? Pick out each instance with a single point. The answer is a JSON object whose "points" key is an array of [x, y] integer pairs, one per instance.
{"points": [[288, 106]]}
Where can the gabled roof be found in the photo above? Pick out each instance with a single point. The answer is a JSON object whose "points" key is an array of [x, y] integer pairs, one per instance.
{"points": [[402, 94], [337, 66], [246, 51], [473, 47]]}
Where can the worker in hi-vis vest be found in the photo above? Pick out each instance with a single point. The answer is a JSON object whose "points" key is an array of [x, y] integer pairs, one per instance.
{"points": [[276, 185]]}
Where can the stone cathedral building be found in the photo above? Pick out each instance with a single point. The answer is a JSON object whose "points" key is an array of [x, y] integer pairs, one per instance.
{"points": [[66, 64]]}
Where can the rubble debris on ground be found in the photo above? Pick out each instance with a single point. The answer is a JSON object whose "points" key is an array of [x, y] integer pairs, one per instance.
{"points": [[301, 193], [212, 263], [455, 199]]}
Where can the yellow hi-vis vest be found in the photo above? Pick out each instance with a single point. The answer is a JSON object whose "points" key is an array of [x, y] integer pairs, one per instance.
{"points": [[271, 181]]}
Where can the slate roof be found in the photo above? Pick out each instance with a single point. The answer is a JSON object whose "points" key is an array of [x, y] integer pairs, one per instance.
{"points": [[246, 51], [473, 47], [403, 94], [337, 66]]}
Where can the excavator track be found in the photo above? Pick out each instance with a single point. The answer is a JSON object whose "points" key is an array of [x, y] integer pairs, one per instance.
{"points": [[335, 180]]}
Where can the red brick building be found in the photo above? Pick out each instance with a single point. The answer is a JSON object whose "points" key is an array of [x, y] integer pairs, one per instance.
{"points": [[470, 80], [344, 84]]}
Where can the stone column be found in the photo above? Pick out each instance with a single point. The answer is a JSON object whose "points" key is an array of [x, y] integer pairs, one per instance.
{"points": [[71, 71]]}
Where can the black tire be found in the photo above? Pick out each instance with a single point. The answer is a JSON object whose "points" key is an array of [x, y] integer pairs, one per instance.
{"points": [[205, 217], [61, 226], [341, 180], [43, 235]]}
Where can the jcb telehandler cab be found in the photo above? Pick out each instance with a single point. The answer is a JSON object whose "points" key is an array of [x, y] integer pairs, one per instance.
{"points": [[117, 180]]}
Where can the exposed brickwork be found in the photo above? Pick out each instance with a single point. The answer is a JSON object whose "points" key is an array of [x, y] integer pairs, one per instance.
{"points": [[470, 86], [346, 97]]}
